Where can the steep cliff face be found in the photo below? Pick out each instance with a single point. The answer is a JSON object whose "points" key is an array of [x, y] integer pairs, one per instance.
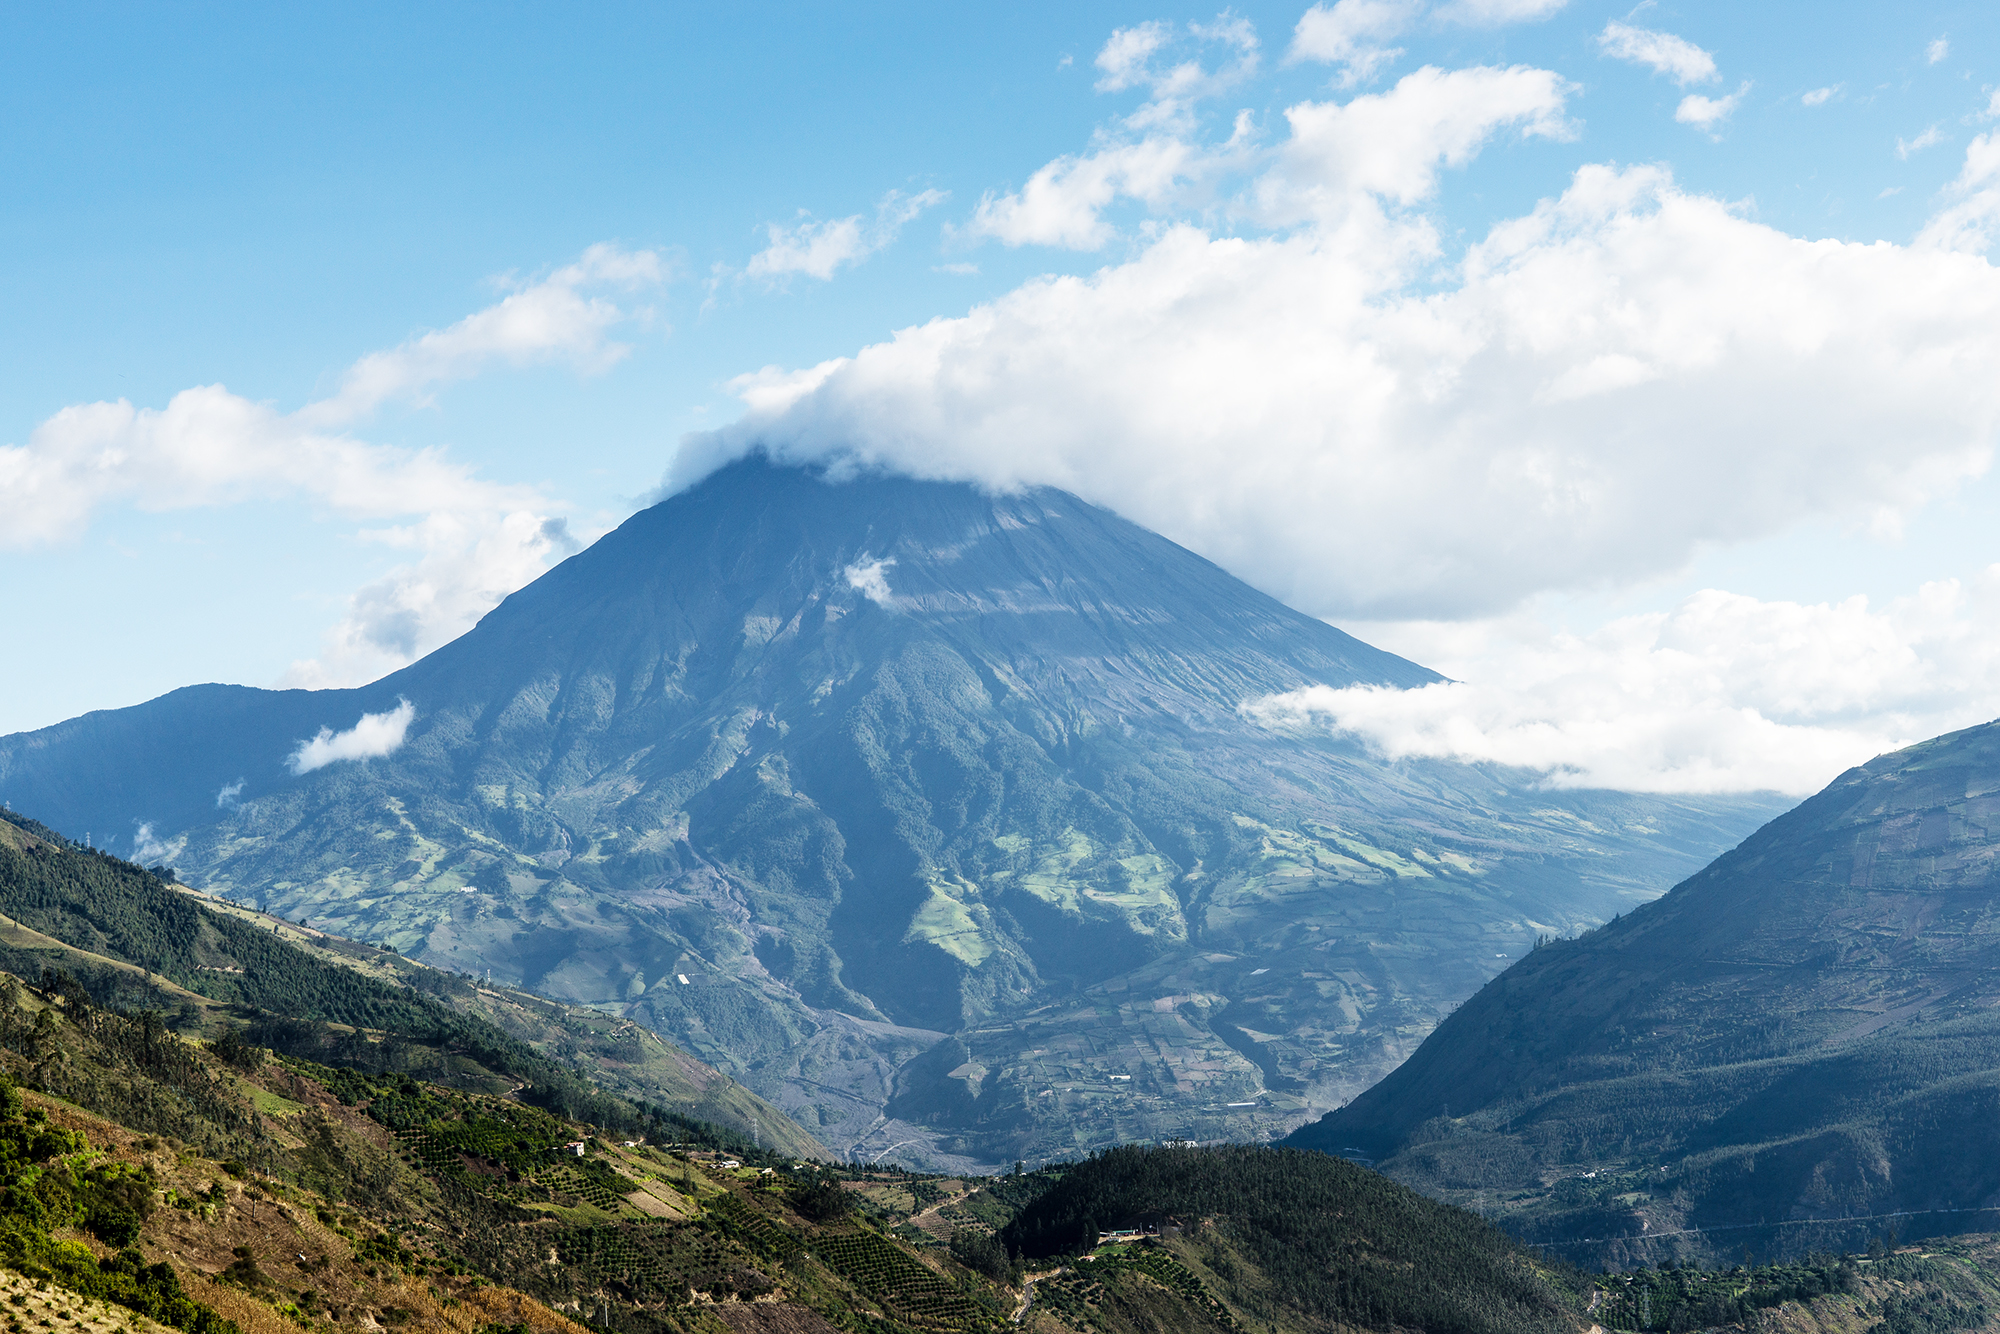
{"points": [[1809, 1029], [818, 777]]}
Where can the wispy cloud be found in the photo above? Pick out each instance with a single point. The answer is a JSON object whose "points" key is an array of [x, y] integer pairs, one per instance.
{"points": [[1063, 204], [210, 447], [475, 540], [1132, 58], [461, 564], [1820, 96], [1663, 52], [1151, 157], [1355, 35], [1930, 138], [1937, 51], [871, 579], [149, 849], [1495, 13], [1708, 113], [560, 317], [376, 735], [817, 248]]}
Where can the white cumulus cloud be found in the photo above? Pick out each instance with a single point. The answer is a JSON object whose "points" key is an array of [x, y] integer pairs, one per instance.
{"points": [[1063, 203], [1355, 35], [1590, 395], [1663, 52], [563, 316], [1148, 157], [1296, 372], [471, 540], [1131, 58], [376, 735], [1722, 693], [1393, 145], [211, 447], [1971, 215]]}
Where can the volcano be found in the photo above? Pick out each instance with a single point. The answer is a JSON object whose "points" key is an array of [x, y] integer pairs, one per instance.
{"points": [[932, 814]]}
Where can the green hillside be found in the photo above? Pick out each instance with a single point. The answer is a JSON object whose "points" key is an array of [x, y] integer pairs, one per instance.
{"points": [[1795, 1050], [132, 940], [219, 1189]]}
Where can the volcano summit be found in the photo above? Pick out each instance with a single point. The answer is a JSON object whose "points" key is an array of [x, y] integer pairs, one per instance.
{"points": [[931, 814]]}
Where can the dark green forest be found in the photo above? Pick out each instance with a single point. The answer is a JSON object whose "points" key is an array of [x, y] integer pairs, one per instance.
{"points": [[51, 1180], [1336, 1242]]}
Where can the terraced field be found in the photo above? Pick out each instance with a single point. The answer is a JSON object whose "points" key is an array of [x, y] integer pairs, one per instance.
{"points": [[903, 1284]]}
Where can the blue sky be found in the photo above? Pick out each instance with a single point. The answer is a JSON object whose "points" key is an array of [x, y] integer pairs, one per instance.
{"points": [[258, 199]]}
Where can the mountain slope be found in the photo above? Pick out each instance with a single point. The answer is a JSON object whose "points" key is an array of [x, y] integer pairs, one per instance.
{"points": [[1799, 1047], [929, 814]]}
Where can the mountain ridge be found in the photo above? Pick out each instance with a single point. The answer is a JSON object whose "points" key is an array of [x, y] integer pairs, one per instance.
{"points": [[1793, 1042]]}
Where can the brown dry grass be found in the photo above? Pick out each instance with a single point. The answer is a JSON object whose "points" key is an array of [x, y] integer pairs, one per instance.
{"points": [[25, 1305], [294, 1252]]}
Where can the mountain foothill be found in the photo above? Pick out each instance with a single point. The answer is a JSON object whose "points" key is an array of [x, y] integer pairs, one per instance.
{"points": [[216, 1121], [933, 815], [1797, 1048]]}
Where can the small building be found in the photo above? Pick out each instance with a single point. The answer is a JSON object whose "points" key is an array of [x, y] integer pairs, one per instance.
{"points": [[574, 1149]]}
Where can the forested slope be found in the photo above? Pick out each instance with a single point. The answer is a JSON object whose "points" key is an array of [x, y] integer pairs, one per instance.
{"points": [[1332, 1243]]}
